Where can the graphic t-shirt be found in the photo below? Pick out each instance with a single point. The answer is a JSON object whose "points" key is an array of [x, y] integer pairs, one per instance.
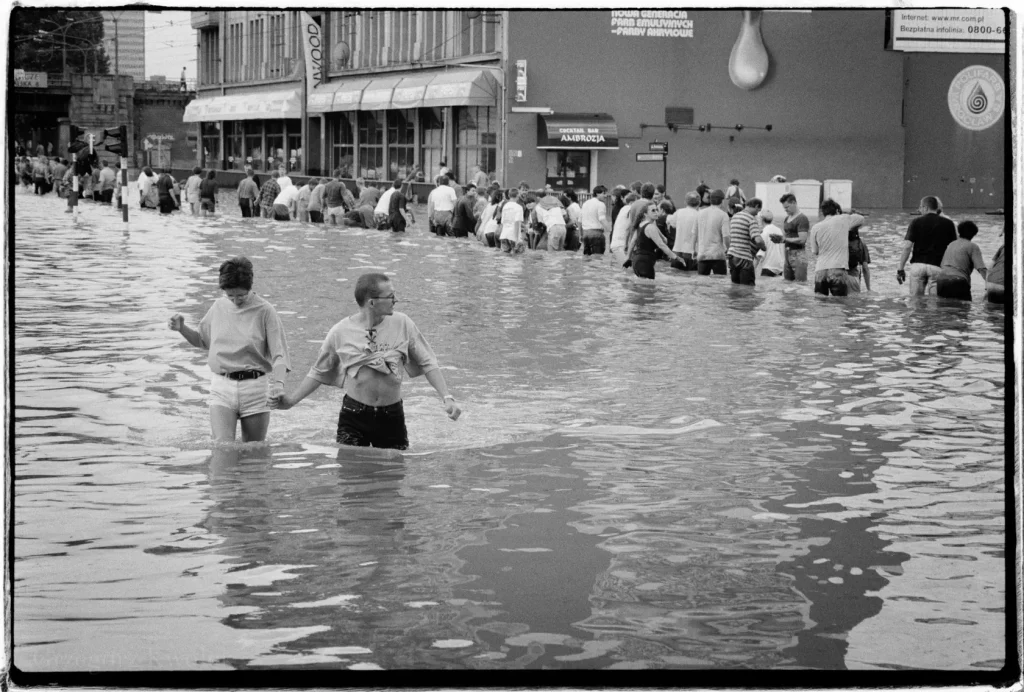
{"points": [[393, 344]]}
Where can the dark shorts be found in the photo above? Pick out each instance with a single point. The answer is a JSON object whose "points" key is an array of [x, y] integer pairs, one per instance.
{"points": [[207, 204], [491, 239], [360, 425], [281, 213], [741, 271], [953, 287], [593, 244], [831, 281], [397, 223], [166, 205], [685, 262], [246, 206], [705, 267], [643, 265], [316, 216]]}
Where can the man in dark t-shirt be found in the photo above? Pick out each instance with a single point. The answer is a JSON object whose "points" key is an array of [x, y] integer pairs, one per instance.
{"points": [[927, 238], [464, 217], [397, 209], [166, 194]]}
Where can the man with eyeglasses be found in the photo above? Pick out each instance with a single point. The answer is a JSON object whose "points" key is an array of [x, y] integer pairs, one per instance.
{"points": [[365, 353]]}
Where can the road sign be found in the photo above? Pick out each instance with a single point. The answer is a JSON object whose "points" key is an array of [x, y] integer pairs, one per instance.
{"points": [[651, 157], [659, 146]]}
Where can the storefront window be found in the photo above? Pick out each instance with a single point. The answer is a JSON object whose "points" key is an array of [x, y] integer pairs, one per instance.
{"points": [[234, 151], [293, 154], [476, 142], [401, 142], [568, 169], [431, 140], [342, 150], [371, 145], [254, 146], [275, 144], [211, 145]]}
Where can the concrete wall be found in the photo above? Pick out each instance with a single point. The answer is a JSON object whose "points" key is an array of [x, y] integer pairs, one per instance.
{"points": [[98, 102], [833, 96]]}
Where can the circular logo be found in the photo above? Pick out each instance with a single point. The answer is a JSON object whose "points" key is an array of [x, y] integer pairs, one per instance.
{"points": [[977, 97]]}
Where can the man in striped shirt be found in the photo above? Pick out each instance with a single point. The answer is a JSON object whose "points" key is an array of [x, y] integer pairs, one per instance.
{"points": [[744, 242]]}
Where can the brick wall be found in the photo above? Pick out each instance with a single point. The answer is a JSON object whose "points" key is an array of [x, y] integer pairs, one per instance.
{"points": [[160, 113]]}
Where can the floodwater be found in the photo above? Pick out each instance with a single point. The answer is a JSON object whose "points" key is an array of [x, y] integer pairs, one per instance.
{"points": [[677, 474]]}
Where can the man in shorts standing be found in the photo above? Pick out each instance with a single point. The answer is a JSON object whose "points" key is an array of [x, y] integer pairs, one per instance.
{"points": [[366, 354], [594, 219], [440, 206], [334, 200], [248, 194], [926, 241], [829, 244]]}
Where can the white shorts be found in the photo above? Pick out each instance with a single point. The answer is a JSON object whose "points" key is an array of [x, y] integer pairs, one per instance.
{"points": [[244, 397], [338, 212]]}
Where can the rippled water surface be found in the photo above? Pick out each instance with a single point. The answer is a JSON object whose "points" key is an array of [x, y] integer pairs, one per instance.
{"points": [[677, 474]]}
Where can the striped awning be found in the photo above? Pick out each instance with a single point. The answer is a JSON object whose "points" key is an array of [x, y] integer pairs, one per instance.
{"points": [[263, 105], [429, 88]]}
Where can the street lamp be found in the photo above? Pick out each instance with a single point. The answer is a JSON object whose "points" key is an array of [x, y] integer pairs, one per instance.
{"points": [[64, 46], [64, 38]]}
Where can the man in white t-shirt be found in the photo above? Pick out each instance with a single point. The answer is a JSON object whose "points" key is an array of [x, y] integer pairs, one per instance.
{"points": [[594, 222], [773, 261], [440, 205], [282, 177], [380, 212], [684, 220], [511, 237], [285, 203]]}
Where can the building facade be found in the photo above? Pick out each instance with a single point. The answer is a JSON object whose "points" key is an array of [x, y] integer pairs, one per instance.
{"points": [[580, 98], [124, 40]]}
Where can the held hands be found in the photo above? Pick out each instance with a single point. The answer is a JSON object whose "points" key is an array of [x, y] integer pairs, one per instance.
{"points": [[176, 322], [452, 409], [277, 399]]}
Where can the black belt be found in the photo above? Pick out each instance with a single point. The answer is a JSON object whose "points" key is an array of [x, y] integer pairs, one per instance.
{"points": [[350, 404], [244, 375]]}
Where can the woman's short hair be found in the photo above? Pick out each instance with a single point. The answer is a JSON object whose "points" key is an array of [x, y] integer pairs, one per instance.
{"points": [[211, 174], [197, 171], [367, 285], [148, 171], [788, 197], [236, 273]]}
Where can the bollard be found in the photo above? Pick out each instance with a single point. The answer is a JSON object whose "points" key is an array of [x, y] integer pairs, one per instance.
{"points": [[124, 191]]}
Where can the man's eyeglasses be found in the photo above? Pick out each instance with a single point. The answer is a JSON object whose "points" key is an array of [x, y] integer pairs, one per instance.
{"points": [[393, 298]]}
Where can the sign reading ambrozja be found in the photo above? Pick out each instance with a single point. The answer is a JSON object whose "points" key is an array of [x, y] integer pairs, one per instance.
{"points": [[652, 23]]}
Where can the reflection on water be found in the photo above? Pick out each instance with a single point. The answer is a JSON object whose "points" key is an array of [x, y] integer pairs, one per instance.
{"points": [[668, 474]]}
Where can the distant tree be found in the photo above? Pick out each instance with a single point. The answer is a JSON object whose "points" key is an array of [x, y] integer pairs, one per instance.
{"points": [[41, 40]]}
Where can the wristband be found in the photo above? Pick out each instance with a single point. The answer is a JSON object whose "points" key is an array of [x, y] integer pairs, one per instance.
{"points": [[446, 397]]}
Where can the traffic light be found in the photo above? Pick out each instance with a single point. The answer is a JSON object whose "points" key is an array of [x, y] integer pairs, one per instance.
{"points": [[76, 144], [120, 136]]}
